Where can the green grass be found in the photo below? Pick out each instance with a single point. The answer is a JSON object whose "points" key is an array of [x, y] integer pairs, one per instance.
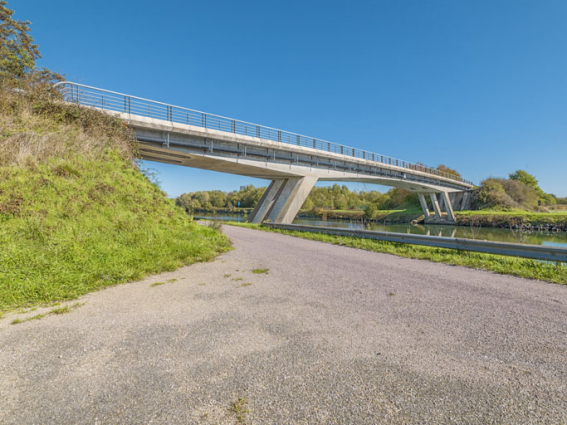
{"points": [[63, 234], [496, 218], [260, 271], [57, 311], [36, 317], [61, 310], [163, 283], [531, 269], [239, 409]]}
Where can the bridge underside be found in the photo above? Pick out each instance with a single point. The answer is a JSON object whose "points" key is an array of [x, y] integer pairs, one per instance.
{"points": [[291, 183], [292, 169]]}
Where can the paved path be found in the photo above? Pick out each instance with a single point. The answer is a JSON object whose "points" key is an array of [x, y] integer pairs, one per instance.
{"points": [[329, 335]]}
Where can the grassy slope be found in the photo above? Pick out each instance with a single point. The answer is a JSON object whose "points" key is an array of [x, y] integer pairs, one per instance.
{"points": [[530, 269], [493, 218], [78, 221]]}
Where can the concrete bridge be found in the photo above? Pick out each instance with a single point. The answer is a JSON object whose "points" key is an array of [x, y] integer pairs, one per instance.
{"points": [[293, 162]]}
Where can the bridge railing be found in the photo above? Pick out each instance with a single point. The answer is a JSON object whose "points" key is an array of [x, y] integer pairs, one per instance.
{"points": [[119, 102]]}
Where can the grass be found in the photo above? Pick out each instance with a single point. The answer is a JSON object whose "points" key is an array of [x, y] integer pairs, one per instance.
{"points": [[61, 310], [495, 218], [260, 271], [163, 283], [531, 269], [244, 285], [36, 317], [238, 279], [239, 409], [76, 213], [57, 311]]}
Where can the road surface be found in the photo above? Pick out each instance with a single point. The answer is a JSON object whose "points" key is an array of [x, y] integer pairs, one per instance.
{"points": [[328, 334]]}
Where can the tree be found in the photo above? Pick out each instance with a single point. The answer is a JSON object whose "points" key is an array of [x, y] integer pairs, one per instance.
{"points": [[370, 212], [443, 168], [525, 178], [18, 53]]}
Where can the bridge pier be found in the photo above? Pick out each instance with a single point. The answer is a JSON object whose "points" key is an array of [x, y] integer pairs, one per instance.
{"points": [[282, 200], [444, 202], [424, 206], [266, 201]]}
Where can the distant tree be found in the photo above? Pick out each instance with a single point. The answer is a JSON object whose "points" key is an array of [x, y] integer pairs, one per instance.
{"points": [[445, 169], [491, 194], [530, 181], [525, 178], [370, 212], [18, 52]]}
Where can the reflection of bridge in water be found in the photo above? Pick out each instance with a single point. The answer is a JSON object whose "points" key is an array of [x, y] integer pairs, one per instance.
{"points": [[293, 162]]}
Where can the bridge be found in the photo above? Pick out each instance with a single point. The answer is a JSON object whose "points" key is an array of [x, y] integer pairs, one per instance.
{"points": [[293, 162]]}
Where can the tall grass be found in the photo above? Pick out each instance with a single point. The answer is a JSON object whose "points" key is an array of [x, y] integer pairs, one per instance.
{"points": [[76, 214]]}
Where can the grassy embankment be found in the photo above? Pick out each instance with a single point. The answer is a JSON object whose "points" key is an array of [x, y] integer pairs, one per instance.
{"points": [[76, 214], [531, 269], [496, 218], [403, 214]]}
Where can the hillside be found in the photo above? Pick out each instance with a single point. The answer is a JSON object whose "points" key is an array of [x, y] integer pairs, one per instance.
{"points": [[76, 213]]}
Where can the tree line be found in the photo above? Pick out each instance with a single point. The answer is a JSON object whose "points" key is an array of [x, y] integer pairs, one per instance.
{"points": [[335, 197], [520, 190]]}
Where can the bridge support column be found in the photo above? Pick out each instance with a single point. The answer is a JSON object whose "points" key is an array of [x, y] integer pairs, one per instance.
{"points": [[436, 207], [424, 206], [291, 195], [448, 207], [266, 201]]}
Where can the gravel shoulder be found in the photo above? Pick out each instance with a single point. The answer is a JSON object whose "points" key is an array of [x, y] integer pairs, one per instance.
{"points": [[327, 334]]}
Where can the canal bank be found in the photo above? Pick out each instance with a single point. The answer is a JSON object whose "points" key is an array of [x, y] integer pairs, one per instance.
{"points": [[529, 235]]}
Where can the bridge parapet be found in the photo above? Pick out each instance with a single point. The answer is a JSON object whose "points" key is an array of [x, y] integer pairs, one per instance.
{"points": [[133, 105]]}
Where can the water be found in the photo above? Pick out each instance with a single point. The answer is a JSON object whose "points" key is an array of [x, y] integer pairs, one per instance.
{"points": [[484, 233]]}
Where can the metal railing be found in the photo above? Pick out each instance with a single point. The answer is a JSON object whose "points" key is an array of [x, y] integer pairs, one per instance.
{"points": [[119, 102], [536, 252]]}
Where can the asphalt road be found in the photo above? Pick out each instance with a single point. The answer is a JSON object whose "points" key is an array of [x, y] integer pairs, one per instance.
{"points": [[328, 335]]}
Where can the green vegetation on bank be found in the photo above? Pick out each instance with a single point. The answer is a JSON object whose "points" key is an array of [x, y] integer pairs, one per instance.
{"points": [[73, 223], [513, 217], [76, 213], [531, 269], [496, 202]]}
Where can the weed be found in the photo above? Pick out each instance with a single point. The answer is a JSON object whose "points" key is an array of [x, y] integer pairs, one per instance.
{"points": [[36, 317], [227, 275], [238, 407], [237, 279], [260, 271], [215, 225], [391, 294], [157, 283], [171, 281], [202, 283], [244, 284], [61, 310]]}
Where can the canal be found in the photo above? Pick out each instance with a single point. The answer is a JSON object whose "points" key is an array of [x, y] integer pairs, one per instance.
{"points": [[482, 233]]}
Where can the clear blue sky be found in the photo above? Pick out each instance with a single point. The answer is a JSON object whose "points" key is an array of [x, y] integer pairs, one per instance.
{"points": [[480, 86]]}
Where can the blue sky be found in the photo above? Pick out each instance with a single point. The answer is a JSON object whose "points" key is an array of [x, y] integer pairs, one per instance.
{"points": [[480, 86]]}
